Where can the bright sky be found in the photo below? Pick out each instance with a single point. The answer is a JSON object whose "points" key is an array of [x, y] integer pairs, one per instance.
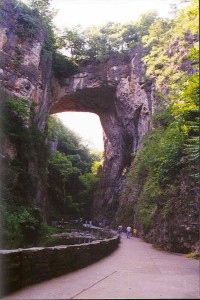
{"points": [[90, 12], [87, 125], [96, 12]]}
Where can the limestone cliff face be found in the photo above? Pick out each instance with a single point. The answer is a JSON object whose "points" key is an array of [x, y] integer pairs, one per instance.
{"points": [[25, 73]]}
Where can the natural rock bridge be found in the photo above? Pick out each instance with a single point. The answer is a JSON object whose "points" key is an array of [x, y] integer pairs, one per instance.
{"points": [[116, 93]]}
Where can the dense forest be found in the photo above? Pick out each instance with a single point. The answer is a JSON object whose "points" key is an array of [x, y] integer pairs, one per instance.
{"points": [[170, 149]]}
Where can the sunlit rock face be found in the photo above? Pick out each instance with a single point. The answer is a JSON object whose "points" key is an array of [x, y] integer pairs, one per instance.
{"points": [[117, 93]]}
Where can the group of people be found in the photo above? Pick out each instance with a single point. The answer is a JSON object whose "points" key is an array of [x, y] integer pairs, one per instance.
{"points": [[129, 231]]}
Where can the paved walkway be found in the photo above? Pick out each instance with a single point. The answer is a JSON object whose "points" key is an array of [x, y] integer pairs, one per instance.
{"points": [[134, 271]]}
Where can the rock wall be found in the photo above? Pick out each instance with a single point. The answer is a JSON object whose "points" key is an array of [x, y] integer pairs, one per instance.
{"points": [[175, 220], [22, 267], [25, 74]]}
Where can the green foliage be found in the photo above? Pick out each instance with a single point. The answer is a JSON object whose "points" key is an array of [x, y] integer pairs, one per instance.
{"points": [[66, 163], [42, 6], [15, 125], [193, 255], [28, 21], [63, 66], [21, 227], [144, 23], [60, 165], [168, 47], [186, 110], [155, 168], [22, 140], [164, 60], [174, 139], [89, 181], [71, 183], [19, 108], [162, 152], [188, 19], [163, 118], [168, 208], [102, 43], [146, 213], [74, 42], [186, 103], [68, 141]]}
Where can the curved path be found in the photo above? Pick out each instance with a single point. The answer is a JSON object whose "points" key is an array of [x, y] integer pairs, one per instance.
{"points": [[134, 271]]}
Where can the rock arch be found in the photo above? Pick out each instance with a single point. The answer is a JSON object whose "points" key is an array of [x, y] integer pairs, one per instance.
{"points": [[114, 92]]}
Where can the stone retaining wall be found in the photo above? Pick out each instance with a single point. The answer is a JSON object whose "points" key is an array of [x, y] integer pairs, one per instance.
{"points": [[22, 267]]}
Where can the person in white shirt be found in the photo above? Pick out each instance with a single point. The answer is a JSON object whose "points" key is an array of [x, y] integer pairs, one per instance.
{"points": [[128, 232]]}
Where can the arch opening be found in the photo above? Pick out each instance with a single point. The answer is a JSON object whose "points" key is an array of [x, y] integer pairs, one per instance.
{"points": [[87, 126]]}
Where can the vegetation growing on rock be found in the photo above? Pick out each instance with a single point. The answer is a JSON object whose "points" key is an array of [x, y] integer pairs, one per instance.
{"points": [[162, 185]]}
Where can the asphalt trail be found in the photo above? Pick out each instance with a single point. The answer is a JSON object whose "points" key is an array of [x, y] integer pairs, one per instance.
{"points": [[134, 271]]}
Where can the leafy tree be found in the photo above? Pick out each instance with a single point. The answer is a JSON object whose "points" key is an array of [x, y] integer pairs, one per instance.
{"points": [[188, 19], [169, 47], [186, 109], [74, 42], [129, 36], [43, 6], [44, 9], [89, 185], [63, 66], [22, 228], [145, 21], [68, 163], [104, 42]]}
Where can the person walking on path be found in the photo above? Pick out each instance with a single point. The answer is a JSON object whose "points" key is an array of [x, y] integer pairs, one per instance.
{"points": [[119, 231], [128, 232], [135, 232]]}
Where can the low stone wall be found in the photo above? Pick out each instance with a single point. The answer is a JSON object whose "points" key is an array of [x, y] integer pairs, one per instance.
{"points": [[22, 267]]}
